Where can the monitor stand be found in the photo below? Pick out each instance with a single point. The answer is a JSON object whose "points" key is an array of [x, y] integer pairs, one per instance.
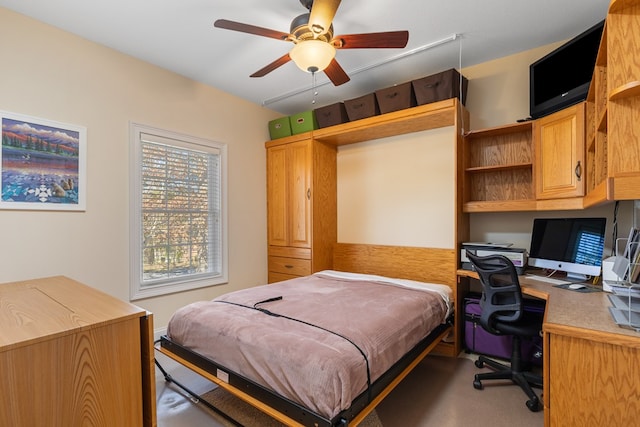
{"points": [[576, 278]]}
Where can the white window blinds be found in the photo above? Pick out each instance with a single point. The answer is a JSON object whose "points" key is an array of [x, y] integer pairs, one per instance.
{"points": [[179, 221]]}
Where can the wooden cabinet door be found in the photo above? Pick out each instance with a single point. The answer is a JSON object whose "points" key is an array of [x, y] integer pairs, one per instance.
{"points": [[288, 194], [299, 176], [277, 207], [592, 383], [559, 151]]}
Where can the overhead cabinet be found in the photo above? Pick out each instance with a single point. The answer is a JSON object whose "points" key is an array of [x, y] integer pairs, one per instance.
{"points": [[559, 166]]}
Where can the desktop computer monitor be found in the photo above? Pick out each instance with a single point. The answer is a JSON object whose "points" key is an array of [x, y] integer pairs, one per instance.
{"points": [[570, 245]]}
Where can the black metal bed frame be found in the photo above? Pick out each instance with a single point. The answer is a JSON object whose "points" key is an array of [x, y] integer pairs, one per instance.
{"points": [[287, 407]]}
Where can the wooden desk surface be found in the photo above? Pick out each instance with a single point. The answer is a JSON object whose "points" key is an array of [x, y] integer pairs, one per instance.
{"points": [[576, 314], [38, 309]]}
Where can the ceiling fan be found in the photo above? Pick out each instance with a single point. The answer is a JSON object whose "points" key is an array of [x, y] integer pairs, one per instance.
{"points": [[314, 43]]}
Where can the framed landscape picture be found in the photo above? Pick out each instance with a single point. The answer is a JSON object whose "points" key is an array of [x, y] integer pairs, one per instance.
{"points": [[43, 164]]}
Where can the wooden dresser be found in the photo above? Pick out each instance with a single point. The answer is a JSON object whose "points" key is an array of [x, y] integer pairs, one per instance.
{"points": [[71, 355]]}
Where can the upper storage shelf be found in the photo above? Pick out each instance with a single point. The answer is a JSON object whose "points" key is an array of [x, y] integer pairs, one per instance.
{"points": [[498, 169], [415, 119]]}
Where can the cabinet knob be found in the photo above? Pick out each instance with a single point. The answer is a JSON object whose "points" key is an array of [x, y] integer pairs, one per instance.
{"points": [[578, 171], [308, 193]]}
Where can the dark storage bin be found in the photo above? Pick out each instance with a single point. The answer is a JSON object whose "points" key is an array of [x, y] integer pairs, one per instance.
{"points": [[440, 86], [477, 340], [362, 107], [395, 98], [331, 115]]}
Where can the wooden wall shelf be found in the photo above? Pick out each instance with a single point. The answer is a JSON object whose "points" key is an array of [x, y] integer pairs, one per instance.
{"points": [[613, 168], [416, 119], [498, 169], [502, 130], [480, 169], [628, 90], [500, 206]]}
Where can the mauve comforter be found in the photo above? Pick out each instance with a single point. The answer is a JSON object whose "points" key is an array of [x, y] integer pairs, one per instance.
{"points": [[304, 362]]}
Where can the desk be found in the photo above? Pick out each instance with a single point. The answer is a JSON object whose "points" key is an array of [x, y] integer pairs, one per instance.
{"points": [[71, 355], [591, 365]]}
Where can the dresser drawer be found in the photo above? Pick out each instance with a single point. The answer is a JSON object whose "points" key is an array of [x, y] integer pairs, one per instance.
{"points": [[289, 252], [290, 266]]}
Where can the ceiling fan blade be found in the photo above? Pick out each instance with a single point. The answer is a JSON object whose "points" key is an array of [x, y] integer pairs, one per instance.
{"points": [[389, 39], [250, 29], [322, 13], [275, 64], [336, 74]]}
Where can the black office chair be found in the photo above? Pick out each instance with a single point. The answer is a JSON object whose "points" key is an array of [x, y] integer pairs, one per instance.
{"points": [[503, 314]]}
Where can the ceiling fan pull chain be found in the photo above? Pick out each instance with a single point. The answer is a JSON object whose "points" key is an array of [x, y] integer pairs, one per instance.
{"points": [[313, 88]]}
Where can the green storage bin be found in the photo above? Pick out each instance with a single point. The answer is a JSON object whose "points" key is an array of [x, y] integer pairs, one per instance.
{"points": [[279, 128], [303, 122]]}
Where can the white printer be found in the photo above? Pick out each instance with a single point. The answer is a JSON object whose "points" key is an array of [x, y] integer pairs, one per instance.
{"points": [[518, 256]]}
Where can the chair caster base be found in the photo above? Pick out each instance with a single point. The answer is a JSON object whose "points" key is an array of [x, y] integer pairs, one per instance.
{"points": [[479, 363], [477, 385], [534, 404]]}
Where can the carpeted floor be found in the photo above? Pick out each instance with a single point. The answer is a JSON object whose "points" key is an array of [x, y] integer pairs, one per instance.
{"points": [[438, 392]]}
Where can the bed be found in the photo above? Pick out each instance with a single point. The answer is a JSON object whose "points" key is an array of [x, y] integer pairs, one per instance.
{"points": [[324, 349]]}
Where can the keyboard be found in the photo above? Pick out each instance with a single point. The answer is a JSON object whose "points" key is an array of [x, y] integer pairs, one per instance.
{"points": [[547, 279]]}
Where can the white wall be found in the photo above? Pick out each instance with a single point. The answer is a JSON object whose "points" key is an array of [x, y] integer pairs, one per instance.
{"points": [[398, 190], [55, 75], [498, 91]]}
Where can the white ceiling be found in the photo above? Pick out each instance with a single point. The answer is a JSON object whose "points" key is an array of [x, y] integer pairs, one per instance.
{"points": [[178, 35]]}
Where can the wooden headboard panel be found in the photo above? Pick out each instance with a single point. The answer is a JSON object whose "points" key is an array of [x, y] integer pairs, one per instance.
{"points": [[404, 262]]}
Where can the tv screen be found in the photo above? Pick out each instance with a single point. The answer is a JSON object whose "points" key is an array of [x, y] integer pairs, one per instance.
{"points": [[562, 77], [571, 245]]}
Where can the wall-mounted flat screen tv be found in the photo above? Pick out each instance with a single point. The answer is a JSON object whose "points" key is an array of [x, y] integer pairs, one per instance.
{"points": [[562, 77]]}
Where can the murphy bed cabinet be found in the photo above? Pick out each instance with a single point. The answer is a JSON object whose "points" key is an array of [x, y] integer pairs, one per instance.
{"points": [[302, 190], [301, 207], [71, 355]]}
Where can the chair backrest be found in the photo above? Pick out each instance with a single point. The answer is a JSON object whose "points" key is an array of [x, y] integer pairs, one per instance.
{"points": [[501, 294]]}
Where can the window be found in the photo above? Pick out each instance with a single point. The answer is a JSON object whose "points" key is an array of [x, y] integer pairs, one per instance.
{"points": [[178, 212]]}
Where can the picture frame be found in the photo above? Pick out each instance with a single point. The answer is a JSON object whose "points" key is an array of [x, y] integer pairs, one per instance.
{"points": [[43, 164]]}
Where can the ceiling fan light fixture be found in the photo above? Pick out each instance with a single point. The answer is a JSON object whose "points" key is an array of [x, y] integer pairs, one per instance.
{"points": [[312, 55]]}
